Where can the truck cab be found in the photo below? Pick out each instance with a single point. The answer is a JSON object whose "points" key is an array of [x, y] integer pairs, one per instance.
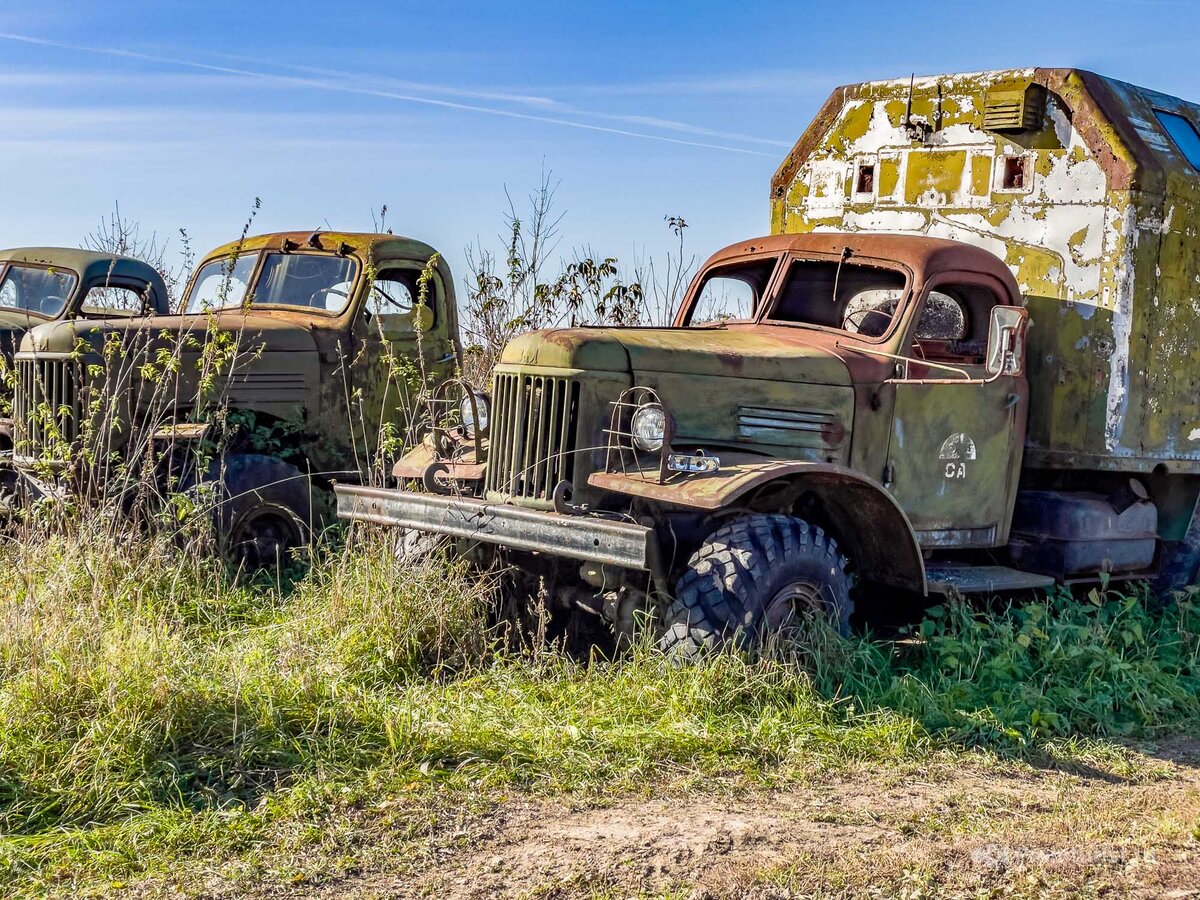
{"points": [[55, 284]]}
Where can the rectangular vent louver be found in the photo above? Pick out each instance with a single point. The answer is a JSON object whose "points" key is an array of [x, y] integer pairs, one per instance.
{"points": [[792, 427], [1014, 108]]}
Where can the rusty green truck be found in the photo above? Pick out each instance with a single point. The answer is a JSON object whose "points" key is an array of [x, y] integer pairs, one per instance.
{"points": [[289, 364], [964, 361]]}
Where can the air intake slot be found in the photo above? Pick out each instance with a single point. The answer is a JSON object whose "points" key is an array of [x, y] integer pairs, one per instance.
{"points": [[1014, 108], [532, 443]]}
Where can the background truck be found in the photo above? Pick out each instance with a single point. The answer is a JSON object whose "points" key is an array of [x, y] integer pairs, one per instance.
{"points": [[289, 366], [963, 362], [50, 284], [43, 284]]}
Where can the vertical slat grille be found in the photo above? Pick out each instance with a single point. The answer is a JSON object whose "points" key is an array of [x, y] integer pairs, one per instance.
{"points": [[45, 408], [533, 435]]}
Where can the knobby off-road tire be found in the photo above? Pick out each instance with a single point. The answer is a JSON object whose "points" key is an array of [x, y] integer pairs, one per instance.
{"points": [[755, 577], [263, 509]]}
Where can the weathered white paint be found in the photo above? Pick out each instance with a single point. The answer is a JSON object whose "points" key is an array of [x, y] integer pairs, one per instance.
{"points": [[1063, 218], [1062, 215]]}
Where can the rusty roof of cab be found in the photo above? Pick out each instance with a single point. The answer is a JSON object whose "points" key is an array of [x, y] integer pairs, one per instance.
{"points": [[923, 256], [364, 244]]}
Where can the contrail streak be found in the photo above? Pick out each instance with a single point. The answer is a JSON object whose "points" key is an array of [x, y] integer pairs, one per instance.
{"points": [[335, 87]]}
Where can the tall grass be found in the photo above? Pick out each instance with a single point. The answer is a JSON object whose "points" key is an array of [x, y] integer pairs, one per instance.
{"points": [[151, 706]]}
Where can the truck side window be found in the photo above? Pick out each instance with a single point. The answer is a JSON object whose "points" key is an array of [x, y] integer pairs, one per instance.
{"points": [[114, 302], [942, 319], [732, 293], [393, 296], [952, 326]]}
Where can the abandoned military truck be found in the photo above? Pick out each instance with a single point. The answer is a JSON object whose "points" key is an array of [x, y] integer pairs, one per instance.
{"points": [[962, 363], [289, 366], [43, 284]]}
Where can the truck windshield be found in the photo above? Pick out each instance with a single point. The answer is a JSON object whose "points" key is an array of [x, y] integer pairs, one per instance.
{"points": [[305, 279], [731, 293], [221, 284], [852, 297], [318, 281], [42, 292]]}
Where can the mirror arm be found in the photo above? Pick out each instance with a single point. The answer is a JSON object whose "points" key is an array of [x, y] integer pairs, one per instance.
{"points": [[966, 376]]}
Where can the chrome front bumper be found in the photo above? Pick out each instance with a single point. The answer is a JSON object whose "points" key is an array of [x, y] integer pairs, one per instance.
{"points": [[589, 538]]}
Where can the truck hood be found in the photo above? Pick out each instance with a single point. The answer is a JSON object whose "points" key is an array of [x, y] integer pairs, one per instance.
{"points": [[270, 334], [758, 352]]}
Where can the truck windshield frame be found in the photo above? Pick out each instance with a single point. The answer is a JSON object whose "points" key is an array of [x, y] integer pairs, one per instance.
{"points": [[69, 282], [759, 284], [319, 283], [852, 278]]}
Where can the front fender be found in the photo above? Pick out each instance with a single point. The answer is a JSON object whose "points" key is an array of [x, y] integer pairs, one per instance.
{"points": [[869, 522]]}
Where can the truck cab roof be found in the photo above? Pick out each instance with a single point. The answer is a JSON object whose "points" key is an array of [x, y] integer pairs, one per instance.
{"points": [[923, 256], [92, 269]]}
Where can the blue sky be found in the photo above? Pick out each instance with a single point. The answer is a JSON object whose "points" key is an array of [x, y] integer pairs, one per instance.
{"points": [[184, 112]]}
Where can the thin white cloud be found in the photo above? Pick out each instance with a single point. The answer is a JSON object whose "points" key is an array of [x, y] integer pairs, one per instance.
{"points": [[790, 82], [370, 91], [385, 82]]}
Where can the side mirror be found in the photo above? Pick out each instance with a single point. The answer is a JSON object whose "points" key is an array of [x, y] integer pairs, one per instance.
{"points": [[1006, 340]]}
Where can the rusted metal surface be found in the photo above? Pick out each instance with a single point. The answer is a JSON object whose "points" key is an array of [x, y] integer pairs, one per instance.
{"points": [[592, 539], [955, 581]]}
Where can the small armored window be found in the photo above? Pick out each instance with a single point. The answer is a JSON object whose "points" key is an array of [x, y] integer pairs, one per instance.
{"points": [[1013, 178], [1183, 133], [864, 182]]}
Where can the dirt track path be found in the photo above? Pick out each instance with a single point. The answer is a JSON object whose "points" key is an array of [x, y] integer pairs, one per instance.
{"points": [[946, 831]]}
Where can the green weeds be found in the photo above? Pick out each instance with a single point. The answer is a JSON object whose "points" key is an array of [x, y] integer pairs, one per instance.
{"points": [[153, 709]]}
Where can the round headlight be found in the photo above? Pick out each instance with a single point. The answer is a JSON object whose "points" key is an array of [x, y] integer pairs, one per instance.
{"points": [[468, 414], [648, 426]]}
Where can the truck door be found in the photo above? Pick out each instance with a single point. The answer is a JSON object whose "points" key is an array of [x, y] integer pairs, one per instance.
{"points": [[406, 342], [959, 423]]}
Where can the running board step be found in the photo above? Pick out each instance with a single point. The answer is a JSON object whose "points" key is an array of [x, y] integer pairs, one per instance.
{"points": [[953, 580]]}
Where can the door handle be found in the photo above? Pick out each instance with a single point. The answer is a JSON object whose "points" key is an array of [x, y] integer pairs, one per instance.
{"points": [[1010, 401]]}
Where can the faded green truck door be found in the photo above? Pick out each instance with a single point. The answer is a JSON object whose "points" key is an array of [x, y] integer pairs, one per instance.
{"points": [[954, 457]]}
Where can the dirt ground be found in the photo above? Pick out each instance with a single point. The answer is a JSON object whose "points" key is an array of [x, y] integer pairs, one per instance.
{"points": [[947, 830]]}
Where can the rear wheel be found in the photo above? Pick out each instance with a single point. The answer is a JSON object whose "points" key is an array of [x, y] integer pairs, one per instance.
{"points": [[756, 577]]}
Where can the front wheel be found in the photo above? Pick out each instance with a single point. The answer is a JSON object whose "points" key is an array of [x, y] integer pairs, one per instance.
{"points": [[755, 577], [263, 509]]}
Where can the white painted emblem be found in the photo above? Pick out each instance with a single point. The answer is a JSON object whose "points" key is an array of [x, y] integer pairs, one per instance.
{"points": [[957, 450]]}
